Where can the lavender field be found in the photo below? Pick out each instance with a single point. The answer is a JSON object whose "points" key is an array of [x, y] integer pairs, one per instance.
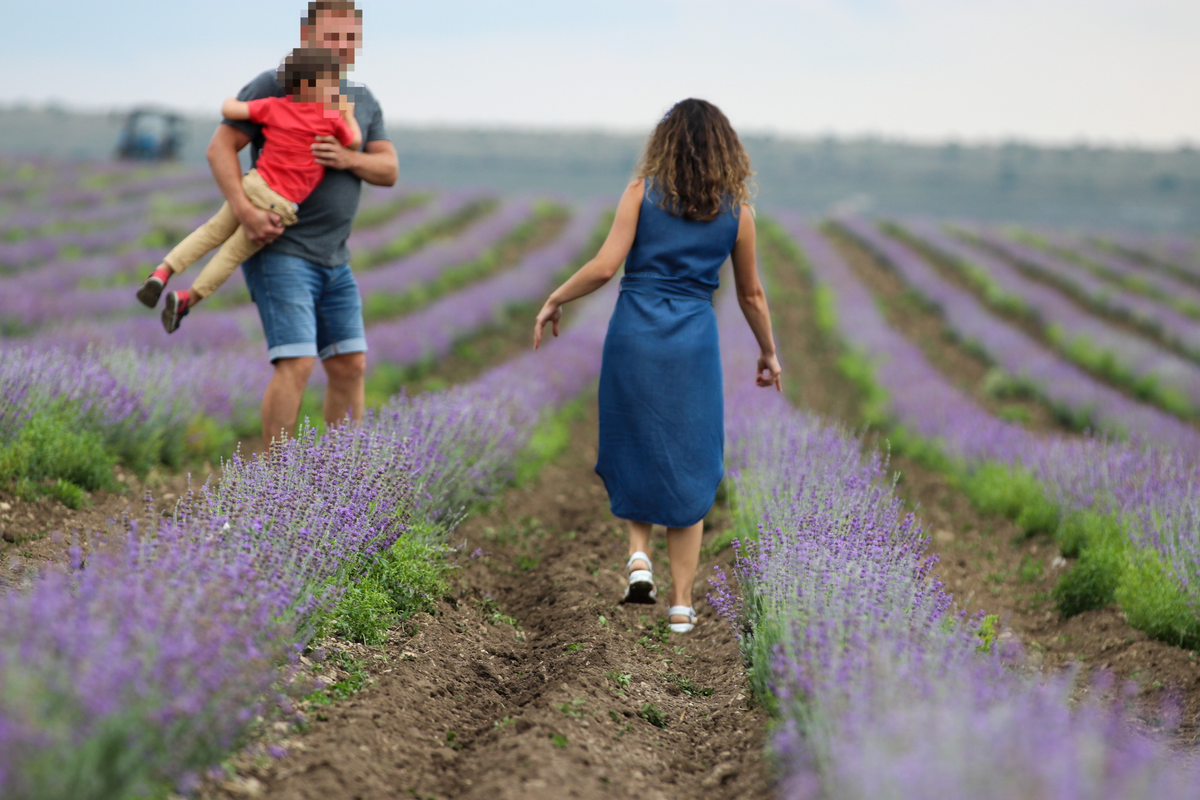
{"points": [[190, 652]]}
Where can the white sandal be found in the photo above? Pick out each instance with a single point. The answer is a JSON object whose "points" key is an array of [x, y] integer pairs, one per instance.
{"points": [[681, 611], [641, 581]]}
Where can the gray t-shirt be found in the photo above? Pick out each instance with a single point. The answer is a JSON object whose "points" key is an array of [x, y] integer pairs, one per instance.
{"points": [[327, 214]]}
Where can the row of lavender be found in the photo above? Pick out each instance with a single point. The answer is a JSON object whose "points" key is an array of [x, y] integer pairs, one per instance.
{"points": [[1073, 391], [1174, 253], [123, 213], [97, 292], [1129, 511], [1142, 274], [35, 196], [429, 332], [99, 286], [153, 662], [882, 689], [1165, 372], [1176, 330], [64, 443]]}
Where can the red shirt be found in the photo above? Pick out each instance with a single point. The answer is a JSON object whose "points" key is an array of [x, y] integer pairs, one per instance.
{"points": [[286, 162]]}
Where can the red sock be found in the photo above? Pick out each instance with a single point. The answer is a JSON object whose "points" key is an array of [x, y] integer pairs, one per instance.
{"points": [[162, 273]]}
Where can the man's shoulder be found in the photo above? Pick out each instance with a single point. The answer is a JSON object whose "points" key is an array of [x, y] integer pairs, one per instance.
{"points": [[265, 84], [361, 93]]}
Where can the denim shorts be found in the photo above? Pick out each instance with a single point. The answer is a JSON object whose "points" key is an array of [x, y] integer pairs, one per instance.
{"points": [[306, 309]]}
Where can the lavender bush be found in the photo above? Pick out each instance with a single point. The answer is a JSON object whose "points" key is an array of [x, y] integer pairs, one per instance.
{"points": [[156, 659], [1150, 371], [153, 660], [1177, 254], [882, 690], [432, 331], [1154, 317], [1127, 508], [1124, 270], [1076, 393]]}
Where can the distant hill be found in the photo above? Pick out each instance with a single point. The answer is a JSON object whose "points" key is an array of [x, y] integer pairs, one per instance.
{"points": [[1066, 186]]}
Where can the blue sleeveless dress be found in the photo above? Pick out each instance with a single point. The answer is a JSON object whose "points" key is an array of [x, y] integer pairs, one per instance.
{"points": [[662, 427]]}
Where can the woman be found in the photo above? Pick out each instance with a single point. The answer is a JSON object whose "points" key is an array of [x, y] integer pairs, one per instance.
{"points": [[662, 434]]}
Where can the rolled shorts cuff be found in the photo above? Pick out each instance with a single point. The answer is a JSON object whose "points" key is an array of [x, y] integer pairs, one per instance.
{"points": [[296, 350], [344, 347]]}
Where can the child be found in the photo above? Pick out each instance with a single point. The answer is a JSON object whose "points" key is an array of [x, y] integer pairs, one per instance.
{"points": [[283, 177]]}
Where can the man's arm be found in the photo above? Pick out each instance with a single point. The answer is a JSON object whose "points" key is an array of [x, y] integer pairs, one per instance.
{"points": [[377, 164], [262, 227]]}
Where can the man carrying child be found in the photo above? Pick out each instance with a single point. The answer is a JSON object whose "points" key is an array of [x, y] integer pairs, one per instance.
{"points": [[300, 280]]}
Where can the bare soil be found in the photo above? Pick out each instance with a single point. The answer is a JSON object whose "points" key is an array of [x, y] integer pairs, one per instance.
{"points": [[984, 560], [34, 533], [581, 697]]}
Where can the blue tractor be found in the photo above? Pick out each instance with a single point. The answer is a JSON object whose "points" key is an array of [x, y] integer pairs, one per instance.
{"points": [[150, 135]]}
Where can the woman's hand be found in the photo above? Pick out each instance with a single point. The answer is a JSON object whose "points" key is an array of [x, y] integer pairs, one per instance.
{"points": [[552, 313], [769, 372]]}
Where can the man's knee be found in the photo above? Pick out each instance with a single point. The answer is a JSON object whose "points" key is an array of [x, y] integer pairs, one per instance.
{"points": [[295, 370], [346, 368]]}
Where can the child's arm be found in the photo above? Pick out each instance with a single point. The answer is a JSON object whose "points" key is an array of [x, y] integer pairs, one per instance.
{"points": [[233, 108], [346, 108]]}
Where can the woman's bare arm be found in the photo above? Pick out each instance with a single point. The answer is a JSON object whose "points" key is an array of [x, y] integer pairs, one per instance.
{"points": [[601, 269], [753, 300]]}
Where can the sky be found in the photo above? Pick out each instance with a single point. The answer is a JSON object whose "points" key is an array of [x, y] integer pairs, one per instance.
{"points": [[1115, 72]]}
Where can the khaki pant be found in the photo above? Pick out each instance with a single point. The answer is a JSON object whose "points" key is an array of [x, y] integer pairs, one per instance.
{"points": [[224, 229]]}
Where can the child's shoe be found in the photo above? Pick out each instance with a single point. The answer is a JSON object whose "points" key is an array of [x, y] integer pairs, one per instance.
{"points": [[152, 287], [175, 309]]}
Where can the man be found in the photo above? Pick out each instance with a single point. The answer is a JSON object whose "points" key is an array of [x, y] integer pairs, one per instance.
{"points": [[301, 282]]}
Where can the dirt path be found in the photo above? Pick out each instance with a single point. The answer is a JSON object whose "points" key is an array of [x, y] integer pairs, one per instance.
{"points": [[984, 560], [582, 697]]}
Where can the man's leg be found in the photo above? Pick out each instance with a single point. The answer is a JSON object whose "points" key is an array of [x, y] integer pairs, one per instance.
{"points": [[345, 392], [281, 401], [342, 345], [284, 287]]}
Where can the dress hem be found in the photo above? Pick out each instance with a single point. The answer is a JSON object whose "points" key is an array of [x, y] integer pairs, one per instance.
{"points": [[632, 518]]}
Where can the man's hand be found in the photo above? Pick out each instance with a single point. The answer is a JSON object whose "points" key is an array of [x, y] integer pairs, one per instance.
{"points": [[261, 227], [328, 152]]}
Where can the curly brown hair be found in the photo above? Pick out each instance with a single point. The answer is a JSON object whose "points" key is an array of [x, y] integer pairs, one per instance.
{"points": [[697, 162]]}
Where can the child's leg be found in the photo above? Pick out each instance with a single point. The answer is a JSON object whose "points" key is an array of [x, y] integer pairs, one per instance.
{"points": [[207, 237], [237, 248]]}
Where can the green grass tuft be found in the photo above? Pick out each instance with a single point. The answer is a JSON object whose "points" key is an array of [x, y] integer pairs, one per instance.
{"points": [[55, 446], [1153, 601], [1091, 582]]}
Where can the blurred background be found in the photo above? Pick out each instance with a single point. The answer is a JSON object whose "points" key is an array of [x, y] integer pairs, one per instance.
{"points": [[1035, 111]]}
